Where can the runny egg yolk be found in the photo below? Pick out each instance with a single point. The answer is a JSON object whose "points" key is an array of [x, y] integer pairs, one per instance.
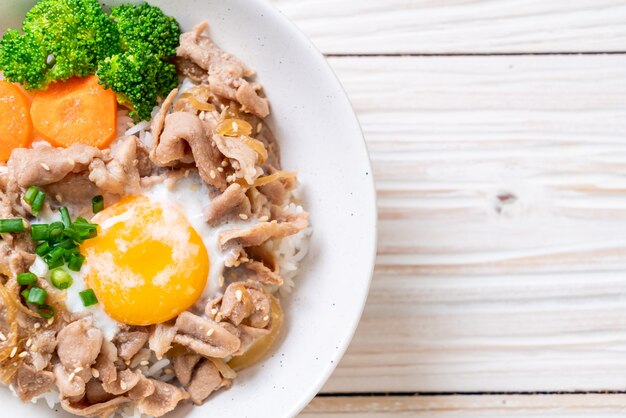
{"points": [[147, 263]]}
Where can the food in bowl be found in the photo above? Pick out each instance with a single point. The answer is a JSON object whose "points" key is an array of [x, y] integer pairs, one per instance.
{"points": [[148, 230]]}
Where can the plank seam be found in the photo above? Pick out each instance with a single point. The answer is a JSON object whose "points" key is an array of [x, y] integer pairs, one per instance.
{"points": [[400, 394], [473, 54]]}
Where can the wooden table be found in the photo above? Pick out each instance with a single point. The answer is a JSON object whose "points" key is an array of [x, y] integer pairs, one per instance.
{"points": [[497, 132]]}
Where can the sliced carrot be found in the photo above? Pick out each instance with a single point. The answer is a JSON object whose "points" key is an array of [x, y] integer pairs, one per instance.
{"points": [[76, 111], [16, 128]]}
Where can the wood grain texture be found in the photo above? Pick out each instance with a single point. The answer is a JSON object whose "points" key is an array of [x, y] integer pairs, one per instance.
{"points": [[460, 26], [502, 244], [477, 406]]}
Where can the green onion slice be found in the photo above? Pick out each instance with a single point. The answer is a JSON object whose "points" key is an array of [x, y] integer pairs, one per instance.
{"points": [[45, 311], [97, 203], [38, 202], [40, 232], [88, 297], [61, 279], [12, 225], [31, 193], [75, 262], [27, 279], [36, 296], [65, 216]]}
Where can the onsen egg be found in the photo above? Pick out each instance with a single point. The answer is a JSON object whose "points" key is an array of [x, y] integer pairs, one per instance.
{"points": [[147, 264]]}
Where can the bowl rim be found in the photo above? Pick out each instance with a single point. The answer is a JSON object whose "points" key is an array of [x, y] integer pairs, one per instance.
{"points": [[307, 44]]}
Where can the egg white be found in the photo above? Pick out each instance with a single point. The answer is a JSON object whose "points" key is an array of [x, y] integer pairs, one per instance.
{"points": [[189, 195]]}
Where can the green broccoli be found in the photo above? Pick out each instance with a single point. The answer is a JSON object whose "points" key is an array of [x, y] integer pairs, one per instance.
{"points": [[146, 28], [62, 38], [127, 50], [138, 78], [141, 75]]}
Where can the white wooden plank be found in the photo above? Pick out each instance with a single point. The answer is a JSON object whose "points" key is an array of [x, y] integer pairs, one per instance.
{"points": [[460, 26], [502, 206], [477, 406]]}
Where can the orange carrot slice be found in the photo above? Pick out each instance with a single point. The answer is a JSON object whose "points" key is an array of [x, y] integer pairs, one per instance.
{"points": [[76, 111], [16, 128]]}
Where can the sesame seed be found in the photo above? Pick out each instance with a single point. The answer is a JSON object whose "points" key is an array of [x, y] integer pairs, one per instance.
{"points": [[123, 385], [264, 218], [210, 332], [59, 197], [220, 169], [78, 369], [29, 342], [235, 126], [186, 173], [22, 354], [72, 376], [37, 325], [259, 127], [218, 317], [224, 163], [243, 216], [135, 163], [212, 174], [266, 318], [239, 295], [35, 347], [95, 373], [45, 166], [221, 281], [144, 363], [168, 371], [13, 352], [214, 311], [244, 259], [3, 337], [50, 321]]}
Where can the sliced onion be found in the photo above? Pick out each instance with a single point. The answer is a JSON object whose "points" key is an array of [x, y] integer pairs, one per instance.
{"points": [[273, 177], [257, 146], [223, 368], [233, 127], [262, 346]]}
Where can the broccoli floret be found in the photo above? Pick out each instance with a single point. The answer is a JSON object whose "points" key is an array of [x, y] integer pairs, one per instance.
{"points": [[62, 38], [146, 28], [138, 78]]}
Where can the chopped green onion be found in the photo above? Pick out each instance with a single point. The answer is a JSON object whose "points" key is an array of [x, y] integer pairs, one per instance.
{"points": [[27, 279], [67, 255], [54, 258], [66, 244], [31, 193], [56, 231], [12, 225], [43, 249], [61, 279], [45, 311], [97, 203], [53, 263], [56, 253], [39, 232], [25, 293], [75, 262], [88, 297], [38, 202], [65, 216], [36, 295]]}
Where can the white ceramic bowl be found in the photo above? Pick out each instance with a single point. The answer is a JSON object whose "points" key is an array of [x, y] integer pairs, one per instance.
{"points": [[320, 137]]}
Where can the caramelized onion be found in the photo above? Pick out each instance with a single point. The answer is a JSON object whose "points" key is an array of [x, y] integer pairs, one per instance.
{"points": [[264, 344], [223, 368], [273, 177], [233, 127], [10, 318], [257, 146]]}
